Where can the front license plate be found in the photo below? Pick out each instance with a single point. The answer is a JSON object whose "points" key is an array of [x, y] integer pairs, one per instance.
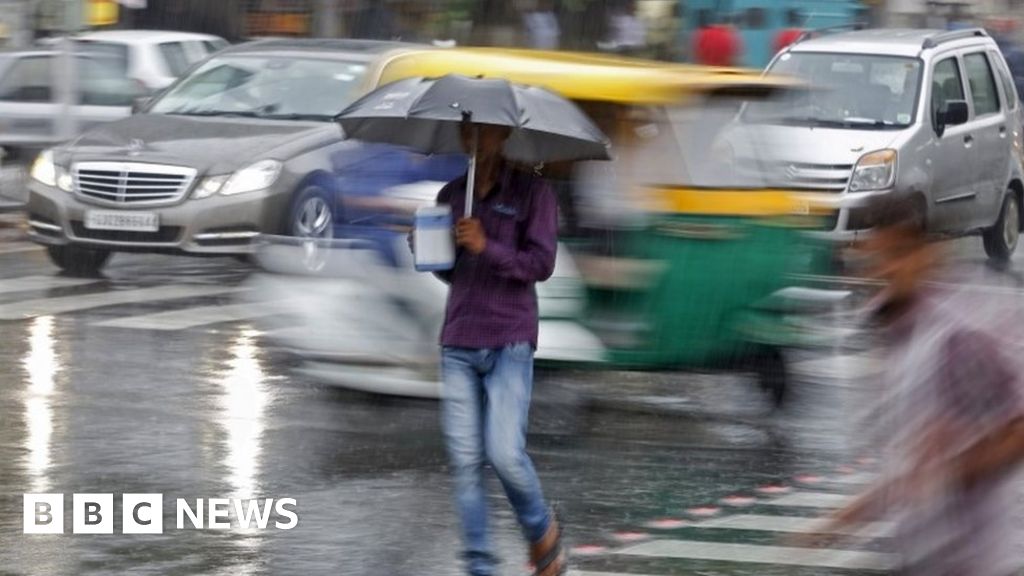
{"points": [[129, 221]]}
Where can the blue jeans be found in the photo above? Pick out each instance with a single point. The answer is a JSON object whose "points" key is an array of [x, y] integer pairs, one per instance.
{"points": [[484, 409]]}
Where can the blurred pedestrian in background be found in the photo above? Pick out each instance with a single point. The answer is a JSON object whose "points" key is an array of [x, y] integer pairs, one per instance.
{"points": [[375, 21], [791, 33], [951, 416], [488, 340], [628, 34], [1003, 32], [716, 44], [541, 24]]}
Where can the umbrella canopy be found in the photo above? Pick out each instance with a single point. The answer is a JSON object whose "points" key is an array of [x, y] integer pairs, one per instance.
{"points": [[424, 114]]}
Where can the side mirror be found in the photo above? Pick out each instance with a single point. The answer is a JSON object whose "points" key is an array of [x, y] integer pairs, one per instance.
{"points": [[952, 113]]}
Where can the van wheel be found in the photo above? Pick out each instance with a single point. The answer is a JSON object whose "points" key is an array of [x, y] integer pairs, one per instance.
{"points": [[1001, 239], [78, 261]]}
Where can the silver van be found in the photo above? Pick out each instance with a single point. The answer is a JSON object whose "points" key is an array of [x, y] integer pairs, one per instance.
{"points": [[930, 113]]}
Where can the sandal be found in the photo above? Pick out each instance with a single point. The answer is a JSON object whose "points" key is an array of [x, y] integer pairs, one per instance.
{"points": [[548, 556]]}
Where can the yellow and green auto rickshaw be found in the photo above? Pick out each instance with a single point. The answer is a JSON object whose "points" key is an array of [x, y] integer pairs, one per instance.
{"points": [[687, 255], [676, 255]]}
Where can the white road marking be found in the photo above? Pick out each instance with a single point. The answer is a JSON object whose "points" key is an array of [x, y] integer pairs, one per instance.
{"points": [[192, 317], [811, 500], [62, 304], [592, 573], [750, 553], [849, 365], [19, 247], [30, 283], [953, 284], [855, 479], [793, 524]]}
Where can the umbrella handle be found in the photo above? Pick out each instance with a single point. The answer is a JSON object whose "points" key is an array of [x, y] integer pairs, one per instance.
{"points": [[471, 177]]}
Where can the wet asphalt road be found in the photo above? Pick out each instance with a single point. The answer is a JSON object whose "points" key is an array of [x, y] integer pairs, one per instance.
{"points": [[89, 404]]}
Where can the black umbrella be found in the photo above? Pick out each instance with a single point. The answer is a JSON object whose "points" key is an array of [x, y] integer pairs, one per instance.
{"points": [[425, 114]]}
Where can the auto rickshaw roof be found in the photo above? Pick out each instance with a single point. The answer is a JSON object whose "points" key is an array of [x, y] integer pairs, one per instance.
{"points": [[583, 76]]}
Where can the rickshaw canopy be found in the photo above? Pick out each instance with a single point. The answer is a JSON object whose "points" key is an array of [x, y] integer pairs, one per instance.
{"points": [[583, 76]]}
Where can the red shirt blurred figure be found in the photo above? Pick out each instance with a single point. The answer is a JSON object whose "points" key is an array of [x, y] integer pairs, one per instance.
{"points": [[785, 38], [717, 45]]}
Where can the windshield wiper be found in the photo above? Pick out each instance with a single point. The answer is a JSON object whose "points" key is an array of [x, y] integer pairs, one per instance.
{"points": [[299, 116], [221, 113], [836, 123], [868, 122]]}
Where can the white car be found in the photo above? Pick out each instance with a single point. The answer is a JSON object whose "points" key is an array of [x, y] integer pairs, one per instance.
{"points": [[29, 105], [155, 58]]}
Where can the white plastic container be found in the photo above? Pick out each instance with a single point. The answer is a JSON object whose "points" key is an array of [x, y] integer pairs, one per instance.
{"points": [[433, 244]]}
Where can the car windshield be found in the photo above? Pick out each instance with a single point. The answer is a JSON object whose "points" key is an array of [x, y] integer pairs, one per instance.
{"points": [[853, 91], [276, 87]]}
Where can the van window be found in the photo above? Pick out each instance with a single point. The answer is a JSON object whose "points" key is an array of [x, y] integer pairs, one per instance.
{"points": [[213, 46], [28, 80], [983, 84], [946, 84], [1009, 89], [114, 51], [101, 82], [175, 56]]}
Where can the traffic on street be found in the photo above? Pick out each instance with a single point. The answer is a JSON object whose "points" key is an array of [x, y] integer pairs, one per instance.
{"points": [[160, 378], [405, 290]]}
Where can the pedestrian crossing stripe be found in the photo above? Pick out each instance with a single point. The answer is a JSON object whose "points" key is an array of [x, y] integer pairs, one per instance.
{"points": [[760, 554], [19, 247], [738, 554], [794, 525], [63, 304], [34, 283], [811, 500], [192, 317], [592, 573]]}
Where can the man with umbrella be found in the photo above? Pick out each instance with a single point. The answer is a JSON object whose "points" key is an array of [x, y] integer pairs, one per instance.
{"points": [[488, 339], [505, 244]]}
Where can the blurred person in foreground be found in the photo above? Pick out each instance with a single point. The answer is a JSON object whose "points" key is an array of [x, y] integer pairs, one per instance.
{"points": [[951, 416], [488, 342]]}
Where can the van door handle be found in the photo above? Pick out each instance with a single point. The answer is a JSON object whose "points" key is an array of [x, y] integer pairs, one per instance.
{"points": [[968, 140], [1002, 131]]}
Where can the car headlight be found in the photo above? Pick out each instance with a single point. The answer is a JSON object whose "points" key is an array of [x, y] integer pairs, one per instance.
{"points": [[257, 176], [45, 171], [210, 186], [874, 171]]}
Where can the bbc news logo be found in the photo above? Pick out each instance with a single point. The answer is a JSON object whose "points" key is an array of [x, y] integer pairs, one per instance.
{"points": [[144, 513]]}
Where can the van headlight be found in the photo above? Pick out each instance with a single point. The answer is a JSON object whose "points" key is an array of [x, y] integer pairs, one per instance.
{"points": [[874, 171], [45, 171]]}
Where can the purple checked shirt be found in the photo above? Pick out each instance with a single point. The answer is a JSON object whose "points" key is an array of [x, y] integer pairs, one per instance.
{"points": [[492, 301]]}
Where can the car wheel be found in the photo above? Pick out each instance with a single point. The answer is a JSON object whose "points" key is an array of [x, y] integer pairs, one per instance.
{"points": [[1001, 239], [78, 261], [312, 214]]}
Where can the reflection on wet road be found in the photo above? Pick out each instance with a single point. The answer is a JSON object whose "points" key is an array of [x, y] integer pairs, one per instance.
{"points": [[124, 385]]}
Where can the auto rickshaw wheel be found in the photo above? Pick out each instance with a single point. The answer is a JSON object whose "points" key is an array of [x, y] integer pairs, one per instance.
{"points": [[772, 373]]}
